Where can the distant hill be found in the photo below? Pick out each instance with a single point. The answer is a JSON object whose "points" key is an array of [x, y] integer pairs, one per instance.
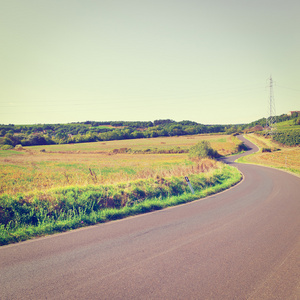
{"points": [[94, 131], [287, 129], [90, 131], [284, 120]]}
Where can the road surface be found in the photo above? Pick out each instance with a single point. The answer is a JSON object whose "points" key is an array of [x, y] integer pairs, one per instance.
{"points": [[240, 244]]}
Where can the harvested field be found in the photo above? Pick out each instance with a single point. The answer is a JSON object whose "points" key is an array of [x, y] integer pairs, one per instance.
{"points": [[94, 163], [287, 158]]}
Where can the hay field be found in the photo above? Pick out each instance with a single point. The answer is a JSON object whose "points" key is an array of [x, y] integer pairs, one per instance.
{"points": [[285, 157], [223, 143], [94, 163]]}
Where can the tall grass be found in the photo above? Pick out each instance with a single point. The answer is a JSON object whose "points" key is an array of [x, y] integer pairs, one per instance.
{"points": [[285, 158], [27, 215], [96, 163], [36, 174]]}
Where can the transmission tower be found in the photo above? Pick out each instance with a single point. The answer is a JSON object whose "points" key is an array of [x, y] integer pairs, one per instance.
{"points": [[271, 120]]}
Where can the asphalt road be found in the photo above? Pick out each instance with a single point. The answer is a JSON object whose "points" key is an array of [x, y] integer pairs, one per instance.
{"points": [[240, 244]]}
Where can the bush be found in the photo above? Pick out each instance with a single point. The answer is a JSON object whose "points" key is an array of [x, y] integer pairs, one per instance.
{"points": [[241, 147], [7, 147], [201, 150], [289, 137]]}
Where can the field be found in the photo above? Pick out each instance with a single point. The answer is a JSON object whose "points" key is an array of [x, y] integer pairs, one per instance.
{"points": [[223, 143], [281, 157], [57, 188], [40, 168], [290, 124], [264, 142]]}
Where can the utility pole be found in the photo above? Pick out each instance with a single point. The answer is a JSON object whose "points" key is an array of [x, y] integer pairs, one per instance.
{"points": [[271, 120]]}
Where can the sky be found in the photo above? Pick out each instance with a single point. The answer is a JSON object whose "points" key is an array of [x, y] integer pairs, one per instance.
{"points": [[207, 61]]}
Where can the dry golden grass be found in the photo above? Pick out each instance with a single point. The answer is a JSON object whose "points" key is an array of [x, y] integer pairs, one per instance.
{"points": [[287, 158], [83, 164], [264, 142], [42, 172], [222, 143]]}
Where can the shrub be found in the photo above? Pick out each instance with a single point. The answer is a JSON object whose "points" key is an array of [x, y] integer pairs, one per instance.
{"points": [[241, 147], [201, 150], [7, 147], [289, 137]]}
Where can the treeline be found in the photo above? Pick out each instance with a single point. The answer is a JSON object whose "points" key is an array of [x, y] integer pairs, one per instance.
{"points": [[92, 131], [284, 134], [89, 131], [281, 118]]}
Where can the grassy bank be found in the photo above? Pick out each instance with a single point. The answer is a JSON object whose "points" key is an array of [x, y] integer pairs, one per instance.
{"points": [[29, 215], [280, 157]]}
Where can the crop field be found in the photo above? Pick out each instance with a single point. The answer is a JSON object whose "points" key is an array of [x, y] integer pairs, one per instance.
{"points": [[282, 157], [55, 188], [224, 144], [41, 168]]}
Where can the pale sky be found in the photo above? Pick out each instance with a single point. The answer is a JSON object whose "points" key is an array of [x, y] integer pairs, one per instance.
{"points": [[140, 60]]}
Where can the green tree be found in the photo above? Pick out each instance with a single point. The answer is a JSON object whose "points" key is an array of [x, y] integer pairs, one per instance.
{"points": [[7, 141]]}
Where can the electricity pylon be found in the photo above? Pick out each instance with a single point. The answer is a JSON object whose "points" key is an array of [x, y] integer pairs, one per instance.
{"points": [[271, 120]]}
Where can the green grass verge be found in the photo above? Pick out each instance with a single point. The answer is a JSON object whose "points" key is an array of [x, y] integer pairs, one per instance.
{"points": [[20, 229]]}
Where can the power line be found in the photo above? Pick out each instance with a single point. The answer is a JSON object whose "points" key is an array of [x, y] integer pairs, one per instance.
{"points": [[108, 100], [288, 88]]}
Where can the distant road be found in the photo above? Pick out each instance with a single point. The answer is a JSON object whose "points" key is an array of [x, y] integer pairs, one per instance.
{"points": [[243, 243]]}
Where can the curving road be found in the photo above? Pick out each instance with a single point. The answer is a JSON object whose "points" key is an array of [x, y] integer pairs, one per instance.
{"points": [[240, 244]]}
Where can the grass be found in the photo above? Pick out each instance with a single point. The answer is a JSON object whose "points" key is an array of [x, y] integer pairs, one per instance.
{"points": [[8, 153], [289, 124], [263, 142], [26, 218], [103, 127], [222, 143], [70, 186], [42, 172], [284, 158], [94, 163]]}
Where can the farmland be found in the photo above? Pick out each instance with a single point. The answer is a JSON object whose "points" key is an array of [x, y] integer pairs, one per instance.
{"points": [[40, 168], [47, 189], [280, 156]]}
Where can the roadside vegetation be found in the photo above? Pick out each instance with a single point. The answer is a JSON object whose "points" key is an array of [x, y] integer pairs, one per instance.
{"points": [[287, 129], [280, 149], [47, 190], [65, 181], [24, 216], [41, 168], [273, 154]]}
